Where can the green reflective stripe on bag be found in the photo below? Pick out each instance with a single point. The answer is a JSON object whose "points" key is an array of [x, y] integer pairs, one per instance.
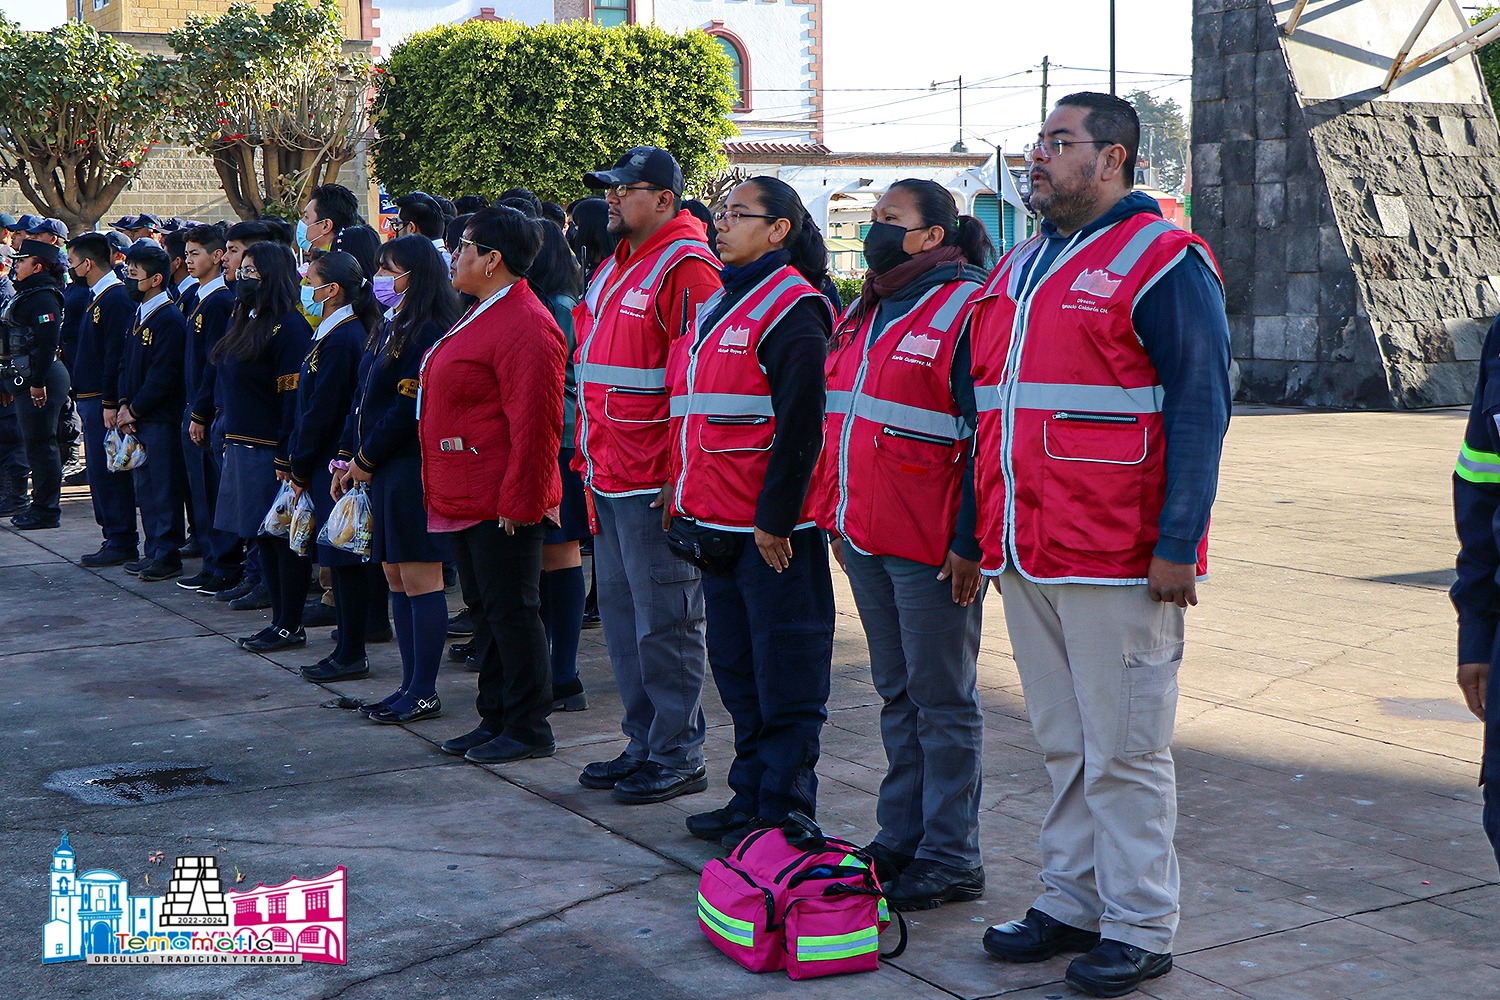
{"points": [[853, 862], [836, 946], [884, 912], [731, 929], [1478, 466]]}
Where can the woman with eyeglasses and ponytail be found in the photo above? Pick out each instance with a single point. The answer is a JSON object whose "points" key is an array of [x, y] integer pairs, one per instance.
{"points": [[412, 283], [895, 490], [746, 390]]}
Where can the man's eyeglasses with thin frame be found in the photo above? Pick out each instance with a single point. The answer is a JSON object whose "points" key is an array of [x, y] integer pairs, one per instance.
{"points": [[464, 241], [618, 190], [1048, 148]]}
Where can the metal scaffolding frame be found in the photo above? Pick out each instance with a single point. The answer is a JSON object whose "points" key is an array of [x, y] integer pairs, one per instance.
{"points": [[1465, 43]]}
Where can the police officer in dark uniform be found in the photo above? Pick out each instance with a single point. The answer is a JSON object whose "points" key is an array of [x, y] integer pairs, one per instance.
{"points": [[13, 467], [34, 376]]}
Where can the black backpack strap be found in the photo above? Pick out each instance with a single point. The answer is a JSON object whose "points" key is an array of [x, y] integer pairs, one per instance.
{"points": [[895, 952]]}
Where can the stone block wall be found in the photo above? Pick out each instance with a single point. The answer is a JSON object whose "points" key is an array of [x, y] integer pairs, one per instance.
{"points": [[1357, 238]]}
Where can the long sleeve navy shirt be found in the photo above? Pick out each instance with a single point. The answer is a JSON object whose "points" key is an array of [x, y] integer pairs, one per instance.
{"points": [[1476, 506], [150, 379], [1181, 324], [260, 394], [207, 320], [385, 417], [325, 394]]}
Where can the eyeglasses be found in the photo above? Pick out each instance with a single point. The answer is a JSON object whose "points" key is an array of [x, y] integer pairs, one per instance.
{"points": [[248, 271], [1048, 148], [734, 216], [618, 190], [478, 247]]}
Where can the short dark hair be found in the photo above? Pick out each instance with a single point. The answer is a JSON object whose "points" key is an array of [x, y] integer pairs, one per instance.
{"points": [[419, 209], [1110, 119], [92, 246], [470, 203], [174, 242], [337, 203], [210, 238], [507, 230], [151, 258], [249, 232]]}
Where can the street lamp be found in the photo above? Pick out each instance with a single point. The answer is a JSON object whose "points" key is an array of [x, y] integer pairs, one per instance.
{"points": [[957, 147]]}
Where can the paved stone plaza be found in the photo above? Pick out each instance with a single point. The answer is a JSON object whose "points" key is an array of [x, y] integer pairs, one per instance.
{"points": [[1329, 834]]}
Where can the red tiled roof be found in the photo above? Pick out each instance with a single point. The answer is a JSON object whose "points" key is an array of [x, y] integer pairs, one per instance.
{"points": [[777, 148]]}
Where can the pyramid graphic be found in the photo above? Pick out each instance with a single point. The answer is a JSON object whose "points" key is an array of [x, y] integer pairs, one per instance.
{"points": [[194, 898]]}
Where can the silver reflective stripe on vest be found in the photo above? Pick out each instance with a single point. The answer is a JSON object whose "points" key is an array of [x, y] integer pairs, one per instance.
{"points": [[722, 404], [790, 281], [910, 418], [1137, 247], [943, 319], [666, 255], [839, 401], [1088, 398], [633, 378]]}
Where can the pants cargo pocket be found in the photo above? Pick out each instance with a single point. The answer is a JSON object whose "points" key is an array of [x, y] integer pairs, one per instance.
{"points": [[1150, 702]]}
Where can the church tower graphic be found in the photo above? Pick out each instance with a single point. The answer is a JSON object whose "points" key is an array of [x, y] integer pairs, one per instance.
{"points": [[195, 898]]}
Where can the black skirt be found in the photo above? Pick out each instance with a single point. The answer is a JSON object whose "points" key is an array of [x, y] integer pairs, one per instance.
{"points": [[401, 533], [573, 518]]}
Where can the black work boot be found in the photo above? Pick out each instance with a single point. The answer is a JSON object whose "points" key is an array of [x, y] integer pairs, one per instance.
{"points": [[13, 499]]}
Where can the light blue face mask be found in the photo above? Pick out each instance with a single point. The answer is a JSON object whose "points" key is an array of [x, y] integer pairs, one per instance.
{"points": [[302, 240], [309, 306]]}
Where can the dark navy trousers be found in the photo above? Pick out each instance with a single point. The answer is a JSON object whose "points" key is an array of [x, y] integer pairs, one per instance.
{"points": [[202, 467], [770, 647], [12, 443], [113, 493], [158, 490]]}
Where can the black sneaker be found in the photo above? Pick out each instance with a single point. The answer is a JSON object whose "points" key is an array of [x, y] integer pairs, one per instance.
{"points": [[591, 619], [887, 863], [108, 555], [732, 839], [257, 599], [569, 697], [236, 592], [158, 570], [192, 550], [196, 581], [135, 566], [217, 585], [461, 624], [31, 520], [927, 884], [458, 651]]}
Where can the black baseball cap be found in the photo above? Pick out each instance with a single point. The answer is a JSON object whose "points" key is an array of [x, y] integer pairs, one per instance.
{"points": [[641, 165], [118, 242], [36, 248], [146, 221], [123, 222]]}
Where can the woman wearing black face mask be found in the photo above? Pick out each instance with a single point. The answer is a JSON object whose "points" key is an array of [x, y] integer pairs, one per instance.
{"points": [[257, 362], [901, 417]]}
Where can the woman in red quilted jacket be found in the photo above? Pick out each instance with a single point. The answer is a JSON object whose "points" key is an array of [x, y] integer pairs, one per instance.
{"points": [[489, 416]]}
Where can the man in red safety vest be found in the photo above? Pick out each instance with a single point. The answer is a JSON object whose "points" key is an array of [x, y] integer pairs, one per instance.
{"points": [[651, 602], [1101, 375]]}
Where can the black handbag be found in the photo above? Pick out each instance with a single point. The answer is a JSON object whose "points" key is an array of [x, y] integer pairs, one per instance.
{"points": [[713, 550]]}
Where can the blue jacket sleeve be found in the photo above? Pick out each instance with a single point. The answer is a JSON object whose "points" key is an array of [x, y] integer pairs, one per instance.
{"points": [[1182, 324], [325, 407], [1476, 503], [116, 320], [961, 383], [217, 313], [289, 349]]}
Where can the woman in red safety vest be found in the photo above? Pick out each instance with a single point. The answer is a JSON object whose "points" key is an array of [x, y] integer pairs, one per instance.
{"points": [[895, 489], [746, 424]]}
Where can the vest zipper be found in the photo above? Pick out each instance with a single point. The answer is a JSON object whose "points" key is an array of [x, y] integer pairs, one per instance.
{"points": [[1096, 418], [897, 432]]}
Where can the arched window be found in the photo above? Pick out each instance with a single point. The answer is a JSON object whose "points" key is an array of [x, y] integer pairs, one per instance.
{"points": [[739, 56]]}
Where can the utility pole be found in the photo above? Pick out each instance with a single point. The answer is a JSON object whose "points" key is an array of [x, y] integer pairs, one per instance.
{"points": [[958, 147], [1044, 89], [1112, 48]]}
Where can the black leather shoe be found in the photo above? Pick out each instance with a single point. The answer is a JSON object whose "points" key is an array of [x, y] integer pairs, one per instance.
{"points": [[214, 586], [459, 651], [569, 697], [656, 782], [591, 619], [732, 839], [927, 884], [461, 624], [30, 520], [274, 639], [608, 773], [503, 750], [888, 863], [136, 565], [258, 598], [158, 570], [108, 555], [1036, 937], [471, 664], [460, 745], [329, 670], [196, 581], [316, 614], [425, 708], [236, 592], [1114, 969], [712, 826], [386, 702]]}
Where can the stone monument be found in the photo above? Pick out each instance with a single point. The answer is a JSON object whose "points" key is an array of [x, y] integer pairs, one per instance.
{"points": [[1356, 227]]}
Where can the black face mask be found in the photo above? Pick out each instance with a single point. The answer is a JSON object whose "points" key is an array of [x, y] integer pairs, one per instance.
{"points": [[883, 246], [133, 289], [247, 290], [73, 275]]}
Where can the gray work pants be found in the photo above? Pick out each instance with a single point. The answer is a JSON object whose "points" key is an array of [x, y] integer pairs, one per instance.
{"points": [[651, 604], [923, 650], [1098, 665]]}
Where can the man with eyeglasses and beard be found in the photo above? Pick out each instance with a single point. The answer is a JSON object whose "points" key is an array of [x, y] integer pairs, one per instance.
{"points": [[1101, 372]]}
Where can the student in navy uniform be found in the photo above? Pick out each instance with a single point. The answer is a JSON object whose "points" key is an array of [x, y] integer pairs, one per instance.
{"points": [[94, 362], [335, 292], [184, 285], [152, 398], [331, 221], [30, 321], [257, 363], [208, 316], [382, 439]]}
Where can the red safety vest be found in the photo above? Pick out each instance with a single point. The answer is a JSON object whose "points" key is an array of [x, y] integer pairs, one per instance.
{"points": [[621, 368], [894, 442], [1071, 455], [722, 420]]}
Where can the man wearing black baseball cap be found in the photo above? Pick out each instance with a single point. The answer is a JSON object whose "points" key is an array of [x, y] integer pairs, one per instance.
{"points": [[53, 231], [638, 303]]}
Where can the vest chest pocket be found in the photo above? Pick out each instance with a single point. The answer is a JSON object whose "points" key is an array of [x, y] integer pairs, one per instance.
{"points": [[720, 434], [626, 405], [1107, 438]]}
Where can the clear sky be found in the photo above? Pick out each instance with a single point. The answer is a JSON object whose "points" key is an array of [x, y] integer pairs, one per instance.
{"points": [[881, 56]]}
